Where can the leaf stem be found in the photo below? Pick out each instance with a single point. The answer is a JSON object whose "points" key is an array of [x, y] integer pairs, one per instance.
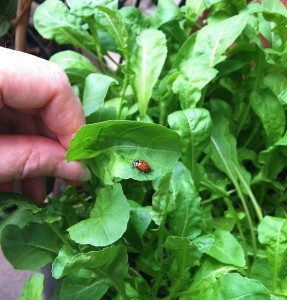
{"points": [[125, 84], [60, 235]]}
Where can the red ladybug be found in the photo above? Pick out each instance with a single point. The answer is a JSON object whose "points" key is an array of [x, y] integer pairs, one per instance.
{"points": [[142, 166]]}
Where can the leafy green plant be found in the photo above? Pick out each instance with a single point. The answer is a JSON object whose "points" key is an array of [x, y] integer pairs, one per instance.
{"points": [[205, 105]]}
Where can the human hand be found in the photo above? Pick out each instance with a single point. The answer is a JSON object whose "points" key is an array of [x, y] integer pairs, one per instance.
{"points": [[39, 114]]}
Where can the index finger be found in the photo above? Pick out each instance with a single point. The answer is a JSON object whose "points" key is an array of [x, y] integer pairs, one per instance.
{"points": [[29, 82]]}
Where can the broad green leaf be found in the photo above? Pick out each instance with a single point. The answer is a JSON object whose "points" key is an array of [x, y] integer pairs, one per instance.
{"points": [[76, 66], [29, 248], [209, 3], [166, 11], [95, 91], [105, 225], [33, 288], [186, 219], [185, 52], [225, 248], [272, 233], [77, 288], [194, 128], [111, 21], [234, 286], [114, 145], [147, 59], [86, 8], [68, 262], [270, 111], [53, 21], [162, 202], [8, 200]]}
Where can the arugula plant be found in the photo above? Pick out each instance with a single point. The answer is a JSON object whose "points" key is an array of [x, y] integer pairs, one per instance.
{"points": [[204, 103]]}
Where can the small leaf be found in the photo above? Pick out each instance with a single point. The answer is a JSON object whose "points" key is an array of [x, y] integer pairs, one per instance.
{"points": [[111, 21], [68, 262], [95, 91], [162, 203], [225, 248], [33, 288], [54, 21], [272, 233], [147, 59], [271, 113], [76, 66], [166, 11], [105, 225], [194, 128]]}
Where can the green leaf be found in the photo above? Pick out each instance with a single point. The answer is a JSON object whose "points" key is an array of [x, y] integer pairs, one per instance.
{"points": [[162, 202], [261, 271], [114, 145], [194, 128], [207, 275], [166, 11], [189, 84], [86, 8], [82, 288], [33, 288], [76, 66], [278, 84], [147, 59], [186, 219], [68, 262], [272, 232], [212, 40], [111, 21], [92, 100], [234, 286], [140, 219], [193, 9], [271, 113], [29, 248], [8, 200], [105, 225], [225, 248], [53, 20]]}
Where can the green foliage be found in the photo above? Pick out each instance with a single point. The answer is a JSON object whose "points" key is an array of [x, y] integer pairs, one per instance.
{"points": [[33, 288], [203, 102]]}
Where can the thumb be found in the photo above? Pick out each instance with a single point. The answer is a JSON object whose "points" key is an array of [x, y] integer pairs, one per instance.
{"points": [[23, 156]]}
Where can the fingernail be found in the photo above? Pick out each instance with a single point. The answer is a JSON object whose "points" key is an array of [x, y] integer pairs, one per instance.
{"points": [[72, 171]]}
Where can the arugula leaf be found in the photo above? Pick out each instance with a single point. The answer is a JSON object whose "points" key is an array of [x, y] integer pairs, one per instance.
{"points": [[33, 288], [105, 225], [147, 59], [54, 21]]}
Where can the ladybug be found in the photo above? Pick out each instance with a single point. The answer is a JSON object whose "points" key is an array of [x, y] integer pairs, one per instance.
{"points": [[142, 165]]}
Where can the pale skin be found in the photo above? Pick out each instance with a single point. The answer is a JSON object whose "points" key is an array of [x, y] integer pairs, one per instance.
{"points": [[39, 114]]}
